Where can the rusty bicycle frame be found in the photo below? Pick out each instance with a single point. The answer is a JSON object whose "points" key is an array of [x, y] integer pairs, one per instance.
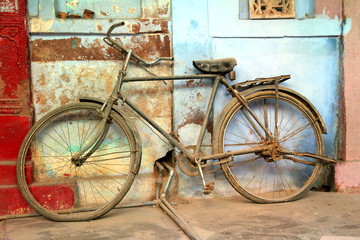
{"points": [[194, 158]]}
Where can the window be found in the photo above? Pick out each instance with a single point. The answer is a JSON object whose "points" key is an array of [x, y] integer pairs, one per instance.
{"points": [[263, 9]]}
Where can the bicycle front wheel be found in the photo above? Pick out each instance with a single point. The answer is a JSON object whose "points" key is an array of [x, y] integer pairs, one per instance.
{"points": [[268, 177], [58, 189]]}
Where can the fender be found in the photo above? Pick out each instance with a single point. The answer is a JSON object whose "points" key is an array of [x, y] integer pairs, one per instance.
{"points": [[293, 93], [130, 124]]}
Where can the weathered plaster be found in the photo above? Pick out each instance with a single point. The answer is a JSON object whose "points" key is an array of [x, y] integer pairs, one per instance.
{"points": [[347, 174], [70, 60], [348, 177], [60, 82], [351, 83], [224, 22], [59, 48], [40, 25], [330, 8]]}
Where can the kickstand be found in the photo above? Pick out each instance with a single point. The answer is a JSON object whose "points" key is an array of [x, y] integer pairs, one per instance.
{"points": [[166, 206]]}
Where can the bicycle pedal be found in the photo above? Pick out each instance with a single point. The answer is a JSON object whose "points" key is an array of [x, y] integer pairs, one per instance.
{"points": [[209, 187]]}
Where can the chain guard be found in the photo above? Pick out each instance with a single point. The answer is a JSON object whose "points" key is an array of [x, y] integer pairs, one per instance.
{"points": [[186, 166]]}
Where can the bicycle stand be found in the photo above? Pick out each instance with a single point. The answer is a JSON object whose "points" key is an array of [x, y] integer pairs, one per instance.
{"points": [[161, 201], [166, 206]]}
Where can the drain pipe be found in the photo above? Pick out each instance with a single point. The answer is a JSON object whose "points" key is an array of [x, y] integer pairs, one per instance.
{"points": [[166, 206]]}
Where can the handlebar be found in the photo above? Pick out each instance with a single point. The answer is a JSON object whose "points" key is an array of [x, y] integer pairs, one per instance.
{"points": [[112, 43], [113, 27]]}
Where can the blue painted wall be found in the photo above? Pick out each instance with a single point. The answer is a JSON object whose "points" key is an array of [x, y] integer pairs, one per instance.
{"points": [[308, 49]]}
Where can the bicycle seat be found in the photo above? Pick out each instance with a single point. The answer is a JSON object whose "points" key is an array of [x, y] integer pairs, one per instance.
{"points": [[224, 65]]}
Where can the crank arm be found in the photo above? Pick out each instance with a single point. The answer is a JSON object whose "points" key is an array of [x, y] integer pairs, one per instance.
{"points": [[305, 154], [208, 187]]}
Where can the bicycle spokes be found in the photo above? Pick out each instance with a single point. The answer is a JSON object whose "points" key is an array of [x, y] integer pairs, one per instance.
{"points": [[271, 175]]}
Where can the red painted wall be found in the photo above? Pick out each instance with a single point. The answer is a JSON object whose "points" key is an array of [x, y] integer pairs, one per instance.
{"points": [[15, 108]]}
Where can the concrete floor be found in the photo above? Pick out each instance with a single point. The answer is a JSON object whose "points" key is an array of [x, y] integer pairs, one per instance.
{"points": [[319, 215]]}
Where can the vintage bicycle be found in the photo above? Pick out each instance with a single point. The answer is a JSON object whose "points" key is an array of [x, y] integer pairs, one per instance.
{"points": [[79, 161]]}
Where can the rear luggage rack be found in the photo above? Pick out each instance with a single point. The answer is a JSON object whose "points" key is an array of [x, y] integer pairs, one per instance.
{"points": [[259, 81]]}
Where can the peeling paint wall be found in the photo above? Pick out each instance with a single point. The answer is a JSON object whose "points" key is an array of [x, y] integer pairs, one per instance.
{"points": [[69, 60]]}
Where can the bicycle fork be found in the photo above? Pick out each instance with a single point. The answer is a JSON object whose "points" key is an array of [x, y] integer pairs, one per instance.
{"points": [[78, 159]]}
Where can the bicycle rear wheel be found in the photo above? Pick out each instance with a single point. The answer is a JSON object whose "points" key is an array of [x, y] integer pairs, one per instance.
{"points": [[58, 189], [262, 177]]}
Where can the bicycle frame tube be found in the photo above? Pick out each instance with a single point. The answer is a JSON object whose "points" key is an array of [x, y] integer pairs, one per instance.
{"points": [[217, 79], [237, 95], [173, 141]]}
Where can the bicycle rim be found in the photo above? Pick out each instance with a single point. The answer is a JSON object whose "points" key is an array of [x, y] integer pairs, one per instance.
{"points": [[267, 179], [52, 184]]}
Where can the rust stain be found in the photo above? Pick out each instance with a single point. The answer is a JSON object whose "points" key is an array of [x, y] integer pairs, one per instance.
{"points": [[151, 26], [42, 81], [197, 117], [64, 99], [163, 10], [98, 27], [192, 83], [65, 77], [135, 28], [40, 99], [69, 49], [151, 46], [189, 83], [162, 23]]}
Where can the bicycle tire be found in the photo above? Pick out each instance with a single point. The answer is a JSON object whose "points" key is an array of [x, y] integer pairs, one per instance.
{"points": [[58, 189], [258, 177]]}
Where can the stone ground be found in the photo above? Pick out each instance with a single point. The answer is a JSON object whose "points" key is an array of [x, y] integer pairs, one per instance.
{"points": [[319, 215]]}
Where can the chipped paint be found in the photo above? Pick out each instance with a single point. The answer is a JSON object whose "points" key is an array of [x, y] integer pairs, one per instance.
{"points": [[150, 11], [99, 27], [39, 25], [329, 8], [163, 8], [116, 8], [72, 4], [132, 10], [93, 48]]}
